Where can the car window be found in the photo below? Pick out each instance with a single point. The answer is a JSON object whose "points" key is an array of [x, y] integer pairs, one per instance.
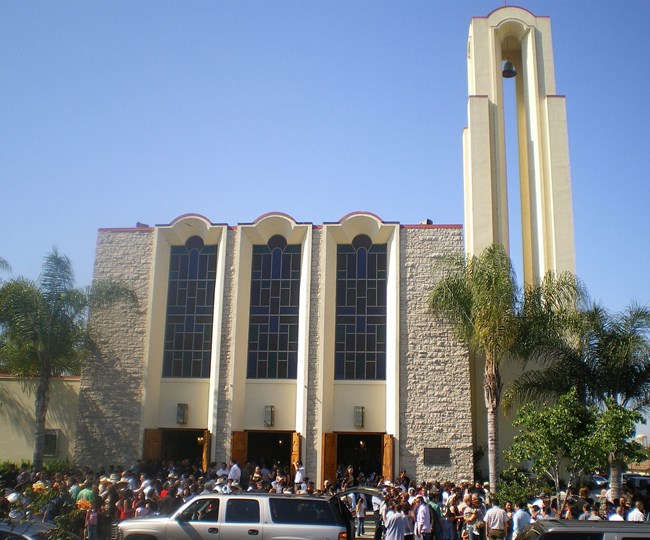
{"points": [[242, 511], [301, 512], [201, 510]]}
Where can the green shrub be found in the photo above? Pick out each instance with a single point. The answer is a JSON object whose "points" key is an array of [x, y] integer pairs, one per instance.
{"points": [[516, 485], [57, 465]]}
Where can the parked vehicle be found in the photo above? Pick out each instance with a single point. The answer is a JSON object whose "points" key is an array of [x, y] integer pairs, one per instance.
{"points": [[242, 516], [636, 481], [29, 530], [566, 529]]}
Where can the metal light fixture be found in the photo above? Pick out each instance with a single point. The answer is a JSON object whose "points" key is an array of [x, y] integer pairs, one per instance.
{"points": [[509, 70], [359, 413], [269, 415], [181, 413]]}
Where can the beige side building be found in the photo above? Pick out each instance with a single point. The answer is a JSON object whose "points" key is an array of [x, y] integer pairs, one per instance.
{"points": [[17, 419]]}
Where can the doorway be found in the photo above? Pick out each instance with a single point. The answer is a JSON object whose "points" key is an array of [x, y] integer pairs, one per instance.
{"points": [[361, 450], [179, 444], [269, 447]]}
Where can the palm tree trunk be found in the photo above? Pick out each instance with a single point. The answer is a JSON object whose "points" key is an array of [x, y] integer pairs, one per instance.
{"points": [[491, 394], [40, 412], [615, 476], [493, 446]]}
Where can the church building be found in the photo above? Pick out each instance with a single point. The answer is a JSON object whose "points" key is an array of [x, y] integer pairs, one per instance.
{"points": [[276, 341], [281, 340]]}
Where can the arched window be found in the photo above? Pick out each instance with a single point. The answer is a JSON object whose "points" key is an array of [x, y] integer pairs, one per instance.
{"points": [[274, 310], [190, 308], [361, 271]]}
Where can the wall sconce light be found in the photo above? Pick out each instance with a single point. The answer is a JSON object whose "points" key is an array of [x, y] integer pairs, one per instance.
{"points": [[359, 413], [181, 413], [200, 440], [269, 415]]}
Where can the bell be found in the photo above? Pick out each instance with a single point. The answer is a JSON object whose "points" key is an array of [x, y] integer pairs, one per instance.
{"points": [[509, 70]]}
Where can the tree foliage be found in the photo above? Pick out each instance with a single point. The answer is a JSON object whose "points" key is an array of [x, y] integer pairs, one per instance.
{"points": [[606, 357], [556, 440], [480, 299], [567, 439], [44, 328]]}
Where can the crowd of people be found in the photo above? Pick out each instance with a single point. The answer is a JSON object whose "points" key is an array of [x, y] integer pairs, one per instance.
{"points": [[401, 510], [469, 511]]}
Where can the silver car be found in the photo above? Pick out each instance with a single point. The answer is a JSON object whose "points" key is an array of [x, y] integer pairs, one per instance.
{"points": [[246, 517]]}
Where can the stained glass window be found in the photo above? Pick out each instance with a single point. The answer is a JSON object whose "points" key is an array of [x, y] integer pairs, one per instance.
{"points": [[190, 308], [361, 270], [273, 327]]}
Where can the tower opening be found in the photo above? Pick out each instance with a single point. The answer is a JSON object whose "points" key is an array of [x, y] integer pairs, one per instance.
{"points": [[511, 129], [539, 114]]}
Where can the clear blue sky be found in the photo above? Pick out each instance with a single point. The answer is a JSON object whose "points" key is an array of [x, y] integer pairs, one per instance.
{"points": [[119, 111]]}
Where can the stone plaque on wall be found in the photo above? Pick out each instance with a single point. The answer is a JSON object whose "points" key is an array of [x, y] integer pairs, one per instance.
{"points": [[437, 456]]}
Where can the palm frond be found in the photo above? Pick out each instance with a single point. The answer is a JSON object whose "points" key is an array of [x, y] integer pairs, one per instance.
{"points": [[57, 275], [4, 265], [105, 293]]}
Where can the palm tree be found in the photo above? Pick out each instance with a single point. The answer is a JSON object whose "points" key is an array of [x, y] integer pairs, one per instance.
{"points": [[479, 298], [44, 329], [606, 357], [4, 265]]}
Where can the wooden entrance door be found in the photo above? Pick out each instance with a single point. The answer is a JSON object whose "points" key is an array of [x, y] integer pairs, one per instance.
{"points": [[239, 449], [328, 471], [387, 458], [152, 446]]}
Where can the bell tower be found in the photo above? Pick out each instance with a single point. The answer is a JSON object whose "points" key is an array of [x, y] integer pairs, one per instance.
{"points": [[514, 35]]}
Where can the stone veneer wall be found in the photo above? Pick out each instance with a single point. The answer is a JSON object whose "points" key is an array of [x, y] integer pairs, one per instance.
{"points": [[110, 397], [435, 395], [223, 410], [314, 407]]}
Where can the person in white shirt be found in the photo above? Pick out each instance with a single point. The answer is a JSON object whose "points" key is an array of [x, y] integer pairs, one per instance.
{"points": [[496, 521], [223, 470], [618, 515], [235, 471], [299, 477], [636, 514]]}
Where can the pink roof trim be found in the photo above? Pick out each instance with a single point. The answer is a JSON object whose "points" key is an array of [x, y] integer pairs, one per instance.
{"points": [[360, 213], [282, 214]]}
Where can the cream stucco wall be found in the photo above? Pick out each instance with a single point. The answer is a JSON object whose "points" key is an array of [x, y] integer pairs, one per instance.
{"points": [[159, 406], [251, 396], [281, 394], [194, 392], [368, 394], [17, 417], [337, 400], [546, 210]]}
